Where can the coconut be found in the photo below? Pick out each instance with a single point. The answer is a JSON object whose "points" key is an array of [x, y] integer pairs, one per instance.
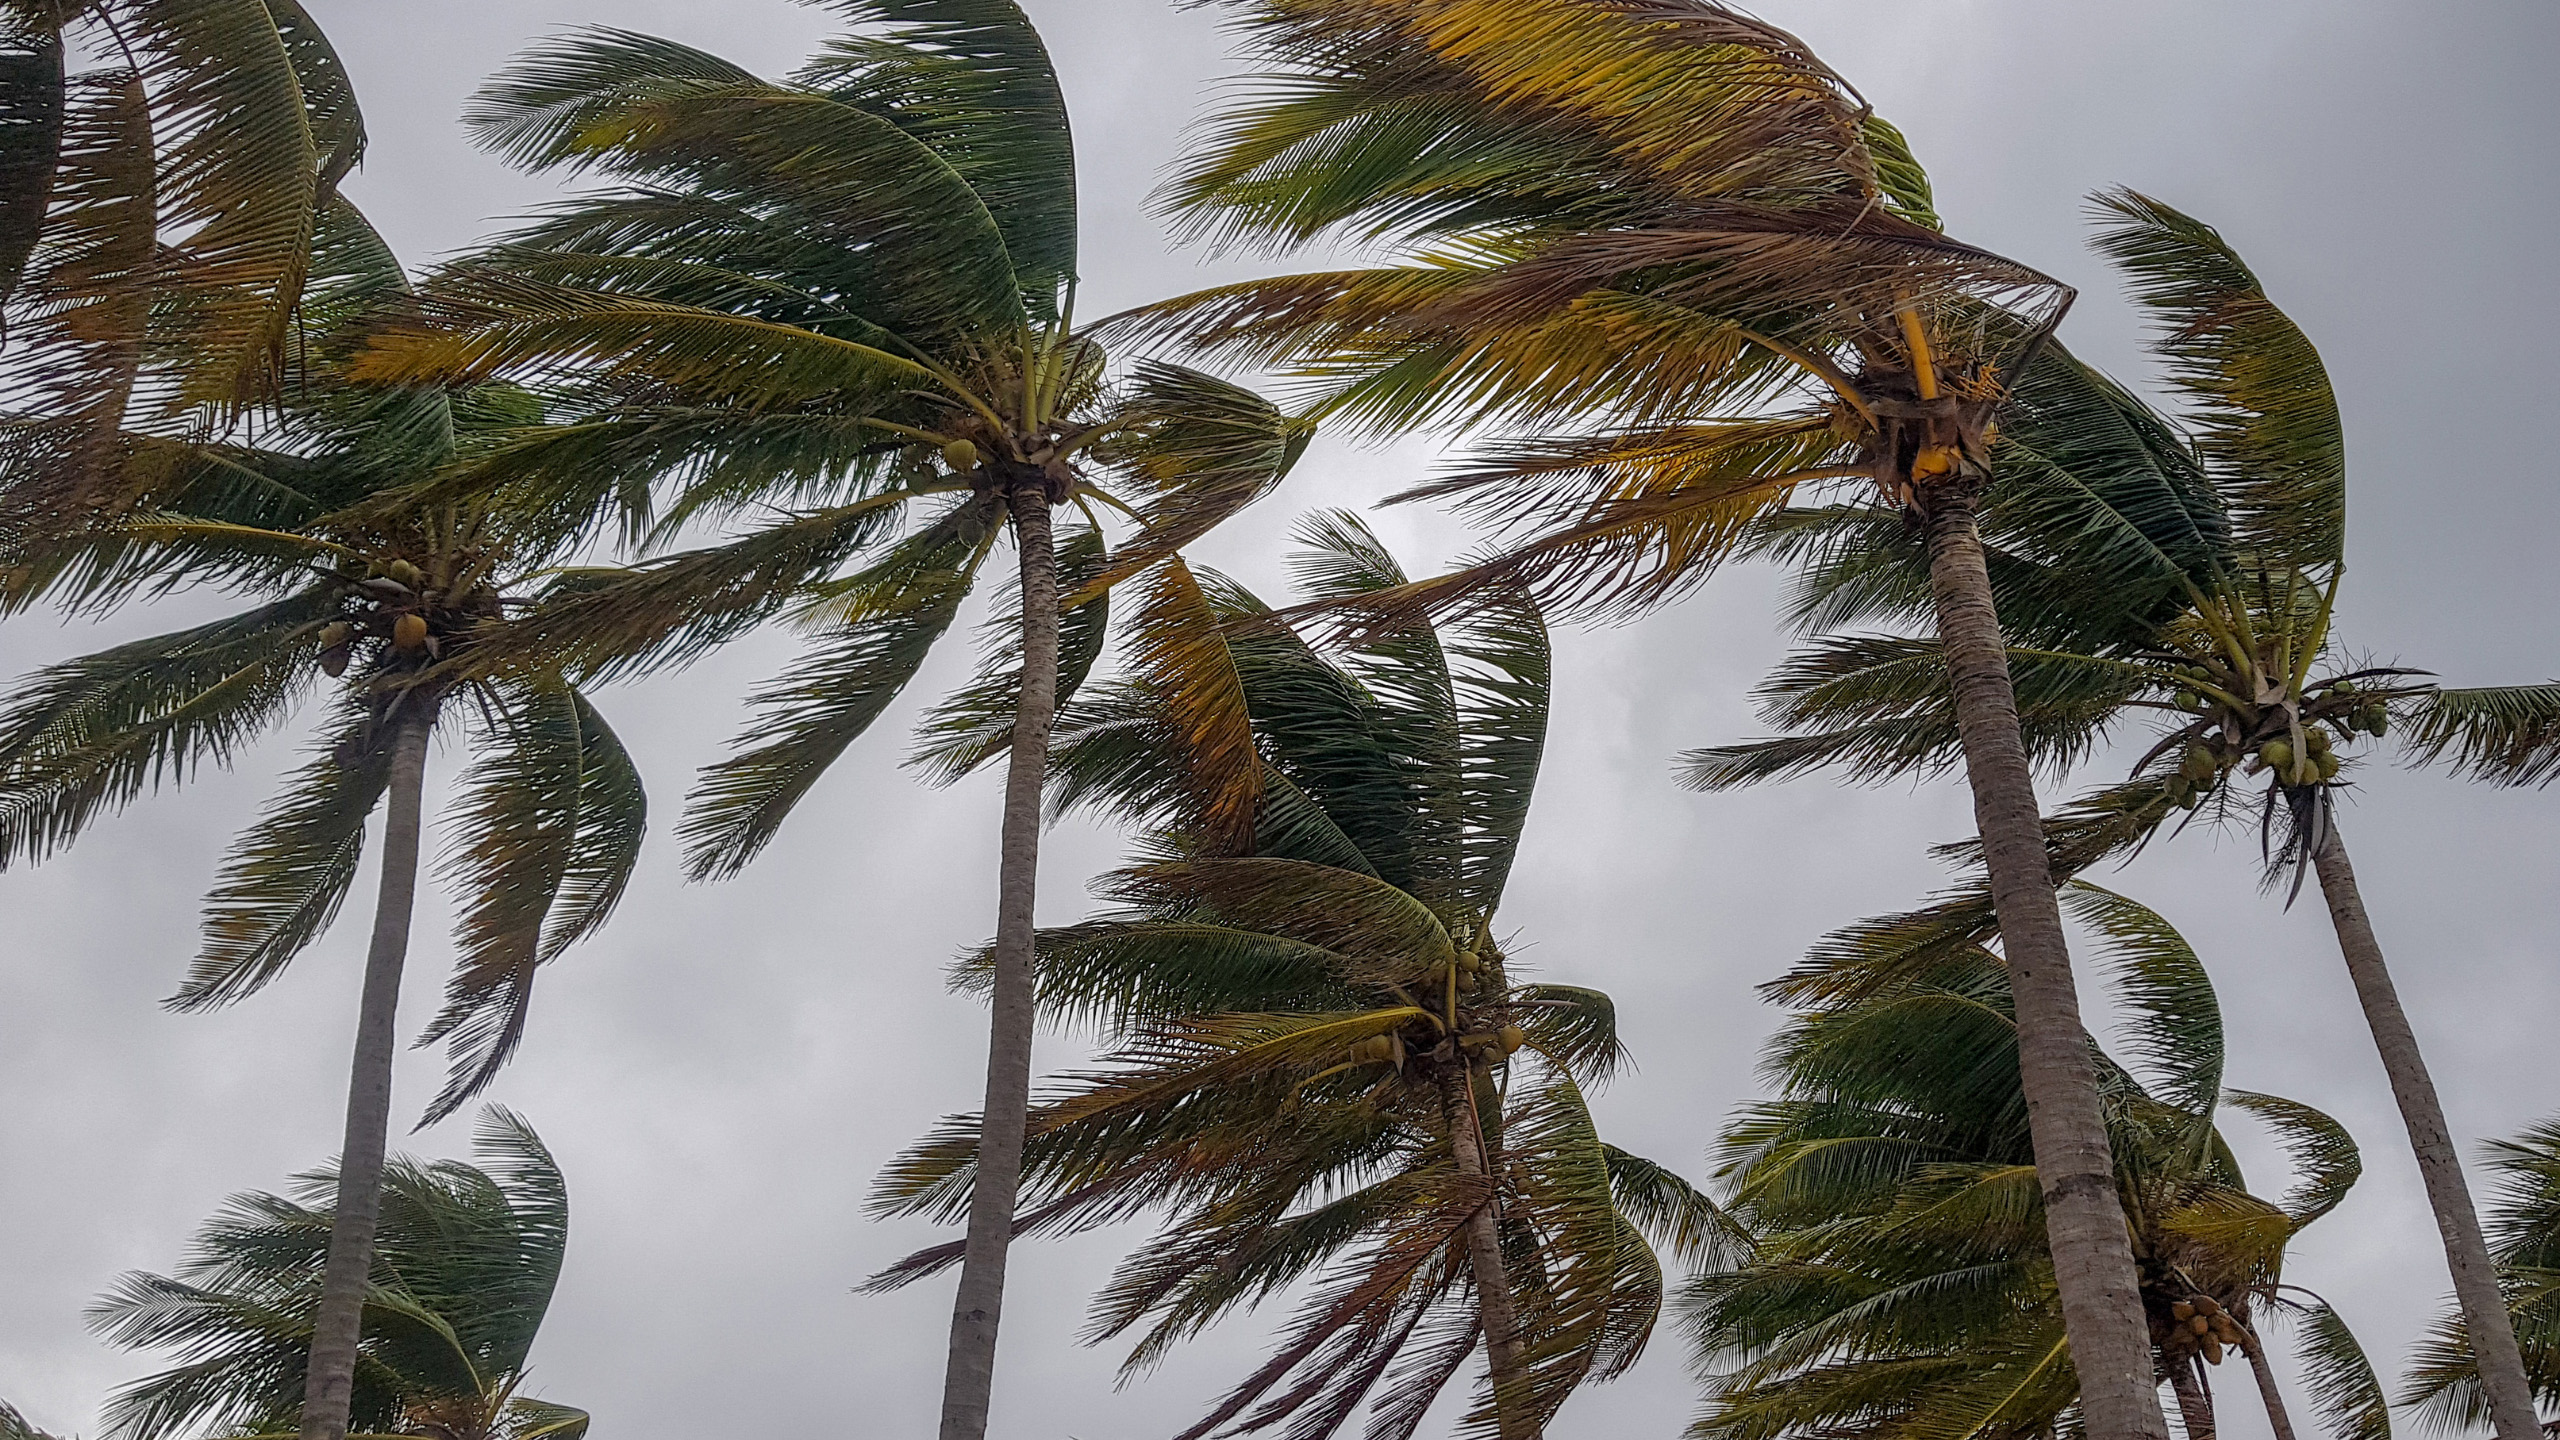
{"points": [[2276, 755], [2317, 738], [2199, 763], [404, 572], [2328, 765], [333, 661], [960, 455], [2200, 1325], [409, 633], [1470, 961], [2212, 1351], [2182, 1312], [1512, 1038], [2376, 719], [335, 634]]}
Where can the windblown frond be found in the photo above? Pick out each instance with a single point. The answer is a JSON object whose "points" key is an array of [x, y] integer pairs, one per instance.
{"points": [[547, 838]]}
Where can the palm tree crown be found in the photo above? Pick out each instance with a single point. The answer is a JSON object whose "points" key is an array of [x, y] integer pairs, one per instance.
{"points": [[1328, 1064], [463, 1271], [1898, 1282]]}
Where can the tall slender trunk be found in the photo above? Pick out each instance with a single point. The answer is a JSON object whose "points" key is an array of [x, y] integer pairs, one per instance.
{"points": [[969, 1379], [1495, 1306], [2278, 1417], [2084, 1221], [2195, 1403], [329, 1385], [2475, 1277]]}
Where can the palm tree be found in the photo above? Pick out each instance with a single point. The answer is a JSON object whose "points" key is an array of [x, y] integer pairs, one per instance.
{"points": [[1691, 264], [310, 517], [2524, 1224], [2246, 679], [1898, 1283], [159, 204], [464, 1270], [849, 290], [1328, 1065]]}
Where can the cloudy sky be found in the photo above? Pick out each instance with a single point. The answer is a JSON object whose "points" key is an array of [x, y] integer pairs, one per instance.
{"points": [[726, 1068]]}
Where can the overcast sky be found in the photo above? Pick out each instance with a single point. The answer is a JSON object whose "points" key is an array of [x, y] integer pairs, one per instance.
{"points": [[724, 1070]]}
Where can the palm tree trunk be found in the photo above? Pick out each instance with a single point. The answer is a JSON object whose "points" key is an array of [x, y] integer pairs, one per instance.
{"points": [[2195, 1403], [329, 1384], [1495, 1307], [969, 1379], [2084, 1221], [2475, 1277], [2278, 1417]]}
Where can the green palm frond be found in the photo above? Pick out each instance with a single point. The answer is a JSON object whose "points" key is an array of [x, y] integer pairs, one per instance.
{"points": [[2325, 1159], [548, 834], [973, 80], [1881, 707], [2266, 419], [1196, 450], [1680, 1219], [2341, 1379], [2176, 1038], [88, 736], [286, 876], [2507, 736], [891, 615]]}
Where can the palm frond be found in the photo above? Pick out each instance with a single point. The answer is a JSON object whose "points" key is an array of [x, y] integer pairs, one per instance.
{"points": [[2177, 1037], [892, 615], [88, 736], [2507, 736], [285, 877], [2267, 420], [2325, 1159], [547, 837], [973, 80], [2342, 1382]]}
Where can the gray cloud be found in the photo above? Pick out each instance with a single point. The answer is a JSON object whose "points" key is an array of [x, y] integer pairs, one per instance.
{"points": [[724, 1070]]}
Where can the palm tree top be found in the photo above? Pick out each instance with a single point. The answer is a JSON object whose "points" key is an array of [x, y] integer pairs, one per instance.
{"points": [[465, 1264], [1308, 987], [1898, 1284]]}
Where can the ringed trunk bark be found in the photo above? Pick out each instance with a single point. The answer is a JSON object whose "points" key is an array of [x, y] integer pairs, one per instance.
{"points": [[969, 1379], [330, 1381], [2195, 1403], [2084, 1221], [2466, 1252], [2278, 1417], [1495, 1307]]}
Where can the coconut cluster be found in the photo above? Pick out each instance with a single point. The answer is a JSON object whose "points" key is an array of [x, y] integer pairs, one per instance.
{"points": [[2263, 727], [1479, 1031], [400, 608], [2200, 1325]]}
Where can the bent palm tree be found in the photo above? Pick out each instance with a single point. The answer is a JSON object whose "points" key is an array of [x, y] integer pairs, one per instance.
{"points": [[165, 171], [1328, 1066], [1668, 235], [355, 587], [2246, 679], [2524, 1228], [1898, 1283], [851, 291], [467, 1259]]}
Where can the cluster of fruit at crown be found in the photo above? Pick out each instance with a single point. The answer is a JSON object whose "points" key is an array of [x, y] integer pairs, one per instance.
{"points": [[392, 594], [1467, 973], [2203, 1326], [2288, 737]]}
